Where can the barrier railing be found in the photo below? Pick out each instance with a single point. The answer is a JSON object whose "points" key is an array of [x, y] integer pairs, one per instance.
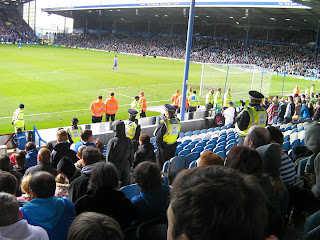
{"points": [[35, 132]]}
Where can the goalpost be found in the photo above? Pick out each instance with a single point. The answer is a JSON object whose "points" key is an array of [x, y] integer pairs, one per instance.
{"points": [[240, 78]]}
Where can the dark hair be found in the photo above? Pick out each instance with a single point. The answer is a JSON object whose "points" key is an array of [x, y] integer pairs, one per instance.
{"points": [[291, 98], [49, 145], [91, 155], [245, 160], [20, 158], [148, 176], [5, 162], [8, 182], [9, 209], [210, 158], [91, 225], [100, 97], [43, 184], [86, 134], [144, 138], [62, 135], [259, 135], [194, 92], [112, 94], [207, 201], [30, 146], [276, 134], [104, 175]]}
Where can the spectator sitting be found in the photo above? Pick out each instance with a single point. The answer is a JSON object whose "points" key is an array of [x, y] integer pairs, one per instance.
{"points": [[256, 137], [54, 214], [32, 153], [11, 227], [145, 151], [209, 158], [5, 165], [218, 120], [20, 159], [49, 145], [62, 185], [224, 196], [80, 164], [91, 225], [78, 187], [43, 163], [62, 149], [25, 188], [67, 167], [153, 200], [8, 183], [102, 196], [86, 139]]}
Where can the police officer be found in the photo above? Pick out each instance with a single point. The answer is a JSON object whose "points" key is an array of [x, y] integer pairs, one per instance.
{"points": [[251, 115], [74, 132], [167, 133], [136, 105], [133, 129], [193, 102], [18, 118]]}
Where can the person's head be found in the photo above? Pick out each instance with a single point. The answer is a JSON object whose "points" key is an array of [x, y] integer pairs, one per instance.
{"points": [[177, 91], [245, 160], [229, 90], [66, 166], [144, 139], [115, 55], [62, 179], [30, 146], [112, 94], [21, 106], [190, 88], [91, 225], [80, 150], [256, 136], [148, 176], [210, 158], [62, 135], [230, 104], [137, 98], [219, 90], [44, 155], [275, 134], [86, 135], [104, 175], [8, 182], [142, 93], [215, 202], [318, 104], [91, 155], [212, 90], [100, 97], [275, 100], [49, 145], [290, 99], [194, 92], [255, 97], [25, 184], [74, 121], [170, 110], [20, 158], [42, 185], [5, 163], [9, 209]]}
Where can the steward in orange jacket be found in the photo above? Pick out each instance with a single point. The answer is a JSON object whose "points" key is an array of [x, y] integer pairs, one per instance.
{"points": [[180, 103], [174, 98], [111, 107], [97, 109], [143, 103]]}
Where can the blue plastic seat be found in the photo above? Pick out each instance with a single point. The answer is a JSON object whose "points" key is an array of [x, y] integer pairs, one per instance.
{"points": [[218, 149], [179, 148], [196, 132], [294, 130], [184, 152], [224, 127], [188, 134], [186, 142], [193, 164], [300, 129], [165, 167], [286, 146], [282, 129], [286, 138], [197, 149], [131, 190], [302, 142], [209, 147], [217, 129], [201, 144], [222, 154], [294, 126], [203, 131], [301, 166], [288, 128], [295, 143], [191, 157], [210, 130], [105, 147], [176, 164], [228, 147], [153, 140], [189, 147], [181, 134]]}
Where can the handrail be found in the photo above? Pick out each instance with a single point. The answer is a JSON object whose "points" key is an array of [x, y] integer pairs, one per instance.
{"points": [[35, 131]]}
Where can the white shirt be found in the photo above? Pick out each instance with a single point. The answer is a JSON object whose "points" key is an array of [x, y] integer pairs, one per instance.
{"points": [[229, 115], [23, 230]]}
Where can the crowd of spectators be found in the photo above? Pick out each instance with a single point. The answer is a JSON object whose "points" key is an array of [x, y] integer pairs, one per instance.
{"points": [[290, 59], [13, 28]]}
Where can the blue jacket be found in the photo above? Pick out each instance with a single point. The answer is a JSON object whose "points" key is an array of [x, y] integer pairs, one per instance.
{"points": [[32, 158], [153, 204], [54, 214], [305, 111]]}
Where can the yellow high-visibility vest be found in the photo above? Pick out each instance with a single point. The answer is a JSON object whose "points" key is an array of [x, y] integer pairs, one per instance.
{"points": [[173, 128]]}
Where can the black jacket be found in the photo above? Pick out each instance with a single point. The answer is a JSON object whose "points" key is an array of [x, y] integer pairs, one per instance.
{"points": [[78, 187], [60, 150], [42, 167], [145, 153], [282, 111]]}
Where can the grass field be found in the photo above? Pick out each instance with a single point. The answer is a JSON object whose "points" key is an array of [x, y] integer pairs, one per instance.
{"points": [[57, 84]]}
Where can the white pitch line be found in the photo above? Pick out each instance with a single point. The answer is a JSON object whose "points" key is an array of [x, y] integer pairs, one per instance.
{"points": [[118, 93]]}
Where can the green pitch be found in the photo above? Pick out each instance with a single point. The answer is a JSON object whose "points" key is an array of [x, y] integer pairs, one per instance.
{"points": [[57, 84]]}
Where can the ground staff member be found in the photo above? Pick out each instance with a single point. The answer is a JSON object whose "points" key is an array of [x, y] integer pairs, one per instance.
{"points": [[97, 109], [251, 115], [74, 132], [167, 133], [111, 107], [18, 118], [133, 129]]}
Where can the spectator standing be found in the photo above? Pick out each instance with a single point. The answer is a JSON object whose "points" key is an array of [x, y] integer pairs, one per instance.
{"points": [[296, 90], [143, 103], [290, 109], [311, 110], [305, 113], [272, 111], [230, 115], [21, 161], [316, 115], [180, 103], [87, 140], [5, 165], [62, 186], [97, 109], [298, 106], [145, 151], [210, 99], [218, 98], [67, 167], [111, 107], [32, 153], [282, 110]]}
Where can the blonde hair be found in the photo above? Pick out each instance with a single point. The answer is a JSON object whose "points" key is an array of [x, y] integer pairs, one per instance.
{"points": [[61, 178], [25, 184]]}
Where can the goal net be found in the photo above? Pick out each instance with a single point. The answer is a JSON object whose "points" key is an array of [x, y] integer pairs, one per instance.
{"points": [[240, 78]]}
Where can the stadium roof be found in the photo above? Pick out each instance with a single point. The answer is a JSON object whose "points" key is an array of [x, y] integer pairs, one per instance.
{"points": [[268, 14], [13, 2]]}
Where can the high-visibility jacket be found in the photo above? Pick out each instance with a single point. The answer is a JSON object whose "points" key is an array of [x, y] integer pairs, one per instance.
{"points": [[209, 98], [136, 106], [312, 89], [226, 99], [218, 98], [143, 103], [173, 128], [111, 105], [180, 101], [296, 91], [17, 118], [194, 101], [75, 134], [189, 93], [97, 108], [131, 128], [257, 117], [174, 99]]}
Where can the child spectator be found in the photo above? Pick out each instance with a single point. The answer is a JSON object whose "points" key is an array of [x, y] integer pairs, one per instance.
{"points": [[32, 153], [20, 159], [25, 188], [62, 185]]}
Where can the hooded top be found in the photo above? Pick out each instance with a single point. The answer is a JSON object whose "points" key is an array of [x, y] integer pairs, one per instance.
{"points": [[271, 157], [32, 157], [312, 137]]}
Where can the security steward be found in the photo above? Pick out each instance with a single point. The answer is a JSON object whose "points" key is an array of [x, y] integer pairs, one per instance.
{"points": [[136, 106], [74, 132], [97, 109], [167, 133], [251, 115], [209, 99], [143, 103], [133, 129], [218, 98], [18, 118], [193, 102], [227, 98]]}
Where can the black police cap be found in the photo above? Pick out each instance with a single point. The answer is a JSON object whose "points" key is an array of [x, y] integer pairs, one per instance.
{"points": [[132, 111], [75, 119], [170, 108], [21, 105], [256, 95]]}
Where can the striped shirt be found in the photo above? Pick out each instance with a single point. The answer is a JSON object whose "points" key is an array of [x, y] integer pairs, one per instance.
{"points": [[287, 170]]}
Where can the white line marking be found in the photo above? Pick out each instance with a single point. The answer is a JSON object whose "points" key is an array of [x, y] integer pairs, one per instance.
{"points": [[117, 93]]}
